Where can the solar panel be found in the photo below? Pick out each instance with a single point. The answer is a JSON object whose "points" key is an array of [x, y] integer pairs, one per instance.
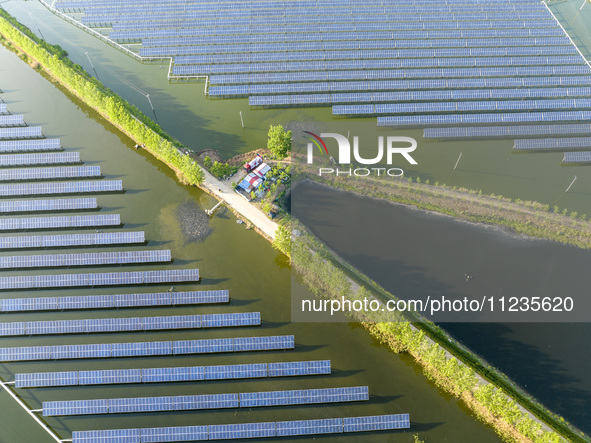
{"points": [[577, 157], [552, 144], [310, 427], [141, 349], [272, 398], [203, 346], [109, 376], [225, 372], [46, 144], [507, 131], [145, 404], [21, 132], [48, 379], [74, 221], [172, 322], [211, 401], [48, 205], [454, 119], [100, 279], [113, 435], [172, 434], [159, 375], [75, 407], [246, 430], [49, 173], [225, 320], [38, 159], [332, 395], [60, 187], [200, 297], [264, 343], [376, 423], [299, 368]]}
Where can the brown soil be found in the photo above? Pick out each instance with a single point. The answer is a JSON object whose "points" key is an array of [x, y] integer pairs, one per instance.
{"points": [[240, 159], [211, 153]]}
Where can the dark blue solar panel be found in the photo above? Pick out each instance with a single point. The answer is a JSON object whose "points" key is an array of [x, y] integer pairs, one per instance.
{"points": [[309, 427], [155, 375], [235, 371], [173, 434], [41, 379], [376, 423], [247, 430], [113, 435]]}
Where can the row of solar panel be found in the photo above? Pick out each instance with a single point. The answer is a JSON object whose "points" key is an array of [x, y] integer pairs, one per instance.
{"points": [[212, 42], [208, 346], [211, 10], [99, 279], [402, 64], [386, 45], [68, 240], [87, 326], [12, 120], [49, 144], [521, 51], [3, 109], [208, 401], [56, 222], [434, 75], [21, 132], [47, 173], [87, 259], [140, 21], [47, 205], [405, 85], [150, 23], [246, 430], [577, 157], [192, 29], [61, 188], [462, 106], [454, 119], [284, 4], [170, 298], [165, 375], [39, 159], [552, 144], [507, 131], [417, 96]]}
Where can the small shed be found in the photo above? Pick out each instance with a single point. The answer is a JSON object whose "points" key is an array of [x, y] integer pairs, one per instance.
{"points": [[262, 169], [249, 166], [250, 182]]}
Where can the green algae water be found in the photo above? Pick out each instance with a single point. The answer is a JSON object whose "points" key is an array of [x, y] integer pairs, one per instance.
{"points": [[229, 257]]}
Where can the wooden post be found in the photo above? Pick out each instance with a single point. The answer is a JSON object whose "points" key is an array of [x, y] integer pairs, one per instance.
{"points": [[458, 161], [571, 183], [241, 120]]}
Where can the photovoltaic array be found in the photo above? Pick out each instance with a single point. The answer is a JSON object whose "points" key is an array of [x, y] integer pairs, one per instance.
{"points": [[25, 157], [167, 375], [247, 430], [410, 63]]}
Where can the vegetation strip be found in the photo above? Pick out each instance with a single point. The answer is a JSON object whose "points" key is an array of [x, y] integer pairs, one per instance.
{"points": [[129, 119], [522, 217]]}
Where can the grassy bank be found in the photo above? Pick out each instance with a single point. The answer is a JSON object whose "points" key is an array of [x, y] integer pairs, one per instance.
{"points": [[487, 392], [522, 217], [127, 118]]}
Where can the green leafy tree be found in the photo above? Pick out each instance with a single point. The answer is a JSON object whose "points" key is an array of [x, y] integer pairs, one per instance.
{"points": [[207, 162], [220, 169], [283, 240], [279, 141]]}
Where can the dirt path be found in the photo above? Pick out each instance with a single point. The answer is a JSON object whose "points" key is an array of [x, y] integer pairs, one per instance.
{"points": [[237, 203]]}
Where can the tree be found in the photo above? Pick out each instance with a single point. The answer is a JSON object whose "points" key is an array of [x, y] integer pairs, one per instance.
{"points": [[283, 240], [279, 141]]}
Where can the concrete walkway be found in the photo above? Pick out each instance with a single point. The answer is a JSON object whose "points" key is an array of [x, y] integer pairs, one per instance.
{"points": [[237, 203]]}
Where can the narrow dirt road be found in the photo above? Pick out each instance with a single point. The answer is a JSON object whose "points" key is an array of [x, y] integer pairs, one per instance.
{"points": [[225, 192]]}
